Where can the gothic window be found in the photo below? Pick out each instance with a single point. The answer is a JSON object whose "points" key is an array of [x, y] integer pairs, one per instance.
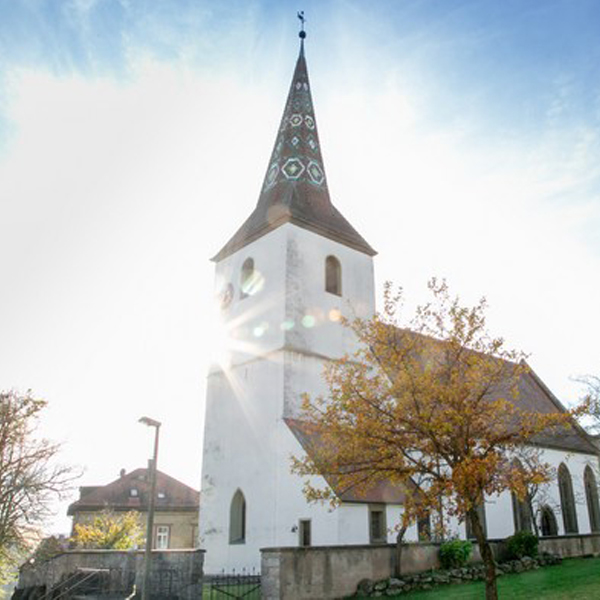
{"points": [[237, 519], [521, 512], [247, 277], [548, 522], [377, 526], [591, 495], [567, 500], [333, 276], [470, 531]]}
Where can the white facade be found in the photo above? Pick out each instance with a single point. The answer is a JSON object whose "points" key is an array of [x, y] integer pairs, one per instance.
{"points": [[281, 335]]}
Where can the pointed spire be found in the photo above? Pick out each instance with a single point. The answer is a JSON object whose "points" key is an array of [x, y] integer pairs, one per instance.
{"points": [[295, 187]]}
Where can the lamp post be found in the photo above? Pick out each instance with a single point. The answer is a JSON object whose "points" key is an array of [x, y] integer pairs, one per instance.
{"points": [[150, 524]]}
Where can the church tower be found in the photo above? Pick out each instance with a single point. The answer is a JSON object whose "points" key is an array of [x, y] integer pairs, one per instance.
{"points": [[285, 277]]}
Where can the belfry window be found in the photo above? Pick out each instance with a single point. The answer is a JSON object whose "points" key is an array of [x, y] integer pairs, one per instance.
{"points": [[237, 519], [333, 276], [591, 495], [247, 277], [567, 499]]}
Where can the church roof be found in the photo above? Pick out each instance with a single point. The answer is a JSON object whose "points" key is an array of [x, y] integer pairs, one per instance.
{"points": [[131, 492], [295, 187]]}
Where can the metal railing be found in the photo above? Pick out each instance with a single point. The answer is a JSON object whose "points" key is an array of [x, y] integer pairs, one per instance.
{"points": [[240, 585]]}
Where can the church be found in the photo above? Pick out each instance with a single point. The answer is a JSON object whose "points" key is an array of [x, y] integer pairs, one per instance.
{"points": [[284, 279]]}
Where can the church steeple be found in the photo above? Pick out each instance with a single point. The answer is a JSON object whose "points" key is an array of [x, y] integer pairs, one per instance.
{"points": [[295, 187]]}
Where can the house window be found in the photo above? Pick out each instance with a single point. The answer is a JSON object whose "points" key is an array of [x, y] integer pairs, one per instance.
{"points": [[247, 278], [567, 499], [333, 276], [548, 522], [304, 532], [133, 493], [162, 537], [237, 519], [470, 531], [377, 526], [591, 495]]}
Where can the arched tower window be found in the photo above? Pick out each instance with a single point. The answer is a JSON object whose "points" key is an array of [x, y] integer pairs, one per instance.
{"points": [[548, 522], [237, 519], [567, 500], [333, 276], [521, 512], [591, 495], [246, 278]]}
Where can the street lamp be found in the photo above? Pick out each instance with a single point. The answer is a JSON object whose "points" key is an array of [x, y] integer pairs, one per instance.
{"points": [[150, 525]]}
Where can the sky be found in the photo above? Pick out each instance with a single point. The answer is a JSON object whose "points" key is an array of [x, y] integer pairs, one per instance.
{"points": [[460, 138]]}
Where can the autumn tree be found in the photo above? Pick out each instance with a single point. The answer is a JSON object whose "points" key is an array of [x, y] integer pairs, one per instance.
{"points": [[431, 406], [31, 480], [591, 385], [110, 531]]}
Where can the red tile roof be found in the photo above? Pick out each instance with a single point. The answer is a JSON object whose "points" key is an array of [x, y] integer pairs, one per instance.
{"points": [[117, 495]]}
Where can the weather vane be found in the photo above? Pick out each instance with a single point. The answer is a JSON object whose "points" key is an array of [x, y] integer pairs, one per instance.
{"points": [[302, 33]]}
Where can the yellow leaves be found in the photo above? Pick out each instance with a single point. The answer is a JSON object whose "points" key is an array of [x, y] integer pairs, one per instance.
{"points": [[434, 406], [108, 530]]}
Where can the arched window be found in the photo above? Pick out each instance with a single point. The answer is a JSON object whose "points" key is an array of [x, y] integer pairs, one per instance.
{"points": [[470, 530], [591, 495], [246, 278], [567, 500], [333, 276], [237, 519], [521, 511], [548, 522]]}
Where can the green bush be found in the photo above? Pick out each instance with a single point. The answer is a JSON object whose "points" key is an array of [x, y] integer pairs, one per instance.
{"points": [[522, 543], [455, 553]]}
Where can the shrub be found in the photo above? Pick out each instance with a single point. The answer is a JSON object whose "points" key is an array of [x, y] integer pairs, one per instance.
{"points": [[455, 553], [522, 543]]}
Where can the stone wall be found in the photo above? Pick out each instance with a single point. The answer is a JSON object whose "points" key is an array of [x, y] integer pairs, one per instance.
{"points": [[335, 571], [186, 565]]}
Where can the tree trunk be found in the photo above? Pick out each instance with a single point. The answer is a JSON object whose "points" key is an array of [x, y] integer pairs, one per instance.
{"points": [[399, 542], [491, 585]]}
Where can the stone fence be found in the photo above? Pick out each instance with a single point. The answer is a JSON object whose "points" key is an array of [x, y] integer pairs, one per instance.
{"points": [[181, 570], [335, 571]]}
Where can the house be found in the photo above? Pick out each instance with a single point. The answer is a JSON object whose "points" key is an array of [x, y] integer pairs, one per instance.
{"points": [[284, 278], [176, 506]]}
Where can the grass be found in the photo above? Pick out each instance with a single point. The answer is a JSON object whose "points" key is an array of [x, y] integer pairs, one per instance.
{"points": [[575, 578]]}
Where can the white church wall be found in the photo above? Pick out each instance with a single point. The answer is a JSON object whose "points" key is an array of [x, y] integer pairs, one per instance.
{"points": [[353, 523], [254, 323], [499, 516], [309, 303]]}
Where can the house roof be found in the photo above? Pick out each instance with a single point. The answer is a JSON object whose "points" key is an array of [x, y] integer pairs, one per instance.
{"points": [[118, 496], [295, 186]]}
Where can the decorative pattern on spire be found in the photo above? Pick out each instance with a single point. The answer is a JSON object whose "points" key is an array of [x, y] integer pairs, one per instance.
{"points": [[295, 186], [297, 156]]}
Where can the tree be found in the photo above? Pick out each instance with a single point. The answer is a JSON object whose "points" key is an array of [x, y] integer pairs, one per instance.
{"points": [[432, 408], [592, 396], [30, 478], [109, 531]]}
